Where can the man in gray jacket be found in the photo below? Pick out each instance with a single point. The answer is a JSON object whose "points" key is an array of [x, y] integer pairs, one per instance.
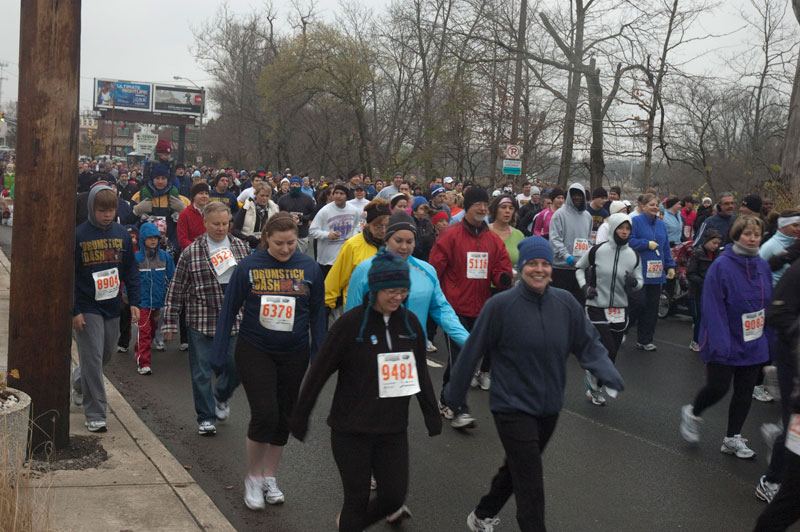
{"points": [[570, 234]]}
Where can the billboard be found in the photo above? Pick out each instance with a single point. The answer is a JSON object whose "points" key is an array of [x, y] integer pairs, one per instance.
{"points": [[128, 95], [178, 100]]}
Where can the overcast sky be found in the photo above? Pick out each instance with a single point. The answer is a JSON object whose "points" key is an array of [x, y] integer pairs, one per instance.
{"points": [[151, 40]]}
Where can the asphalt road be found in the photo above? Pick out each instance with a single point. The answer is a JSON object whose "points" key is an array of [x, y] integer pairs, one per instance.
{"points": [[622, 467]]}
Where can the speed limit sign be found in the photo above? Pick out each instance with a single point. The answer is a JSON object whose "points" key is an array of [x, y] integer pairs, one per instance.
{"points": [[513, 151]]}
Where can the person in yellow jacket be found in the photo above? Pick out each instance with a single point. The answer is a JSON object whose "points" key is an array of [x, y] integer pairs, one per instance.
{"points": [[160, 203], [357, 249]]}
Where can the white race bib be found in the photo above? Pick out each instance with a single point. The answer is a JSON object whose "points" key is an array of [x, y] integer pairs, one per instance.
{"points": [[477, 265], [106, 284], [687, 232], [397, 374], [792, 442], [753, 325], [580, 247], [615, 315], [654, 269], [222, 260], [277, 313]]}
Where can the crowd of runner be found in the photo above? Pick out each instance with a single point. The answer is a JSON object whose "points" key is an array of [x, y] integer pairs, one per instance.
{"points": [[278, 281]]}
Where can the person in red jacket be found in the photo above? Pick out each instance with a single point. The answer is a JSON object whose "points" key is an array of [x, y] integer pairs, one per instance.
{"points": [[689, 215], [190, 221], [468, 259]]}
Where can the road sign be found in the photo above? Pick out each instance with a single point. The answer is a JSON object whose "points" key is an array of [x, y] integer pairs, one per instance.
{"points": [[513, 151], [512, 167]]}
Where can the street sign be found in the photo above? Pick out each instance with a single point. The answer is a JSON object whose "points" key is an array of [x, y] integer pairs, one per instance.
{"points": [[512, 167], [144, 142], [513, 151]]}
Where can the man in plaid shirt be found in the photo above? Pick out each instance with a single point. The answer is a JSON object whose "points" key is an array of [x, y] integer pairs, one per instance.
{"points": [[202, 273]]}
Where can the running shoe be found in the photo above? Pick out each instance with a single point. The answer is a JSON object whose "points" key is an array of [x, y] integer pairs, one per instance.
{"points": [[98, 425], [222, 410], [474, 382], [694, 346], [398, 515], [373, 484], [121, 349], [760, 393], [770, 433], [159, 346], [446, 412], [430, 347], [484, 380], [690, 424], [463, 421], [77, 397], [145, 370], [184, 346], [646, 347], [271, 491], [771, 382], [206, 428], [481, 525], [590, 381], [254, 493], [766, 491], [738, 446], [596, 398]]}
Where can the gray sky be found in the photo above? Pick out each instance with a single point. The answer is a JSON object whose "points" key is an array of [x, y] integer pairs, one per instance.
{"points": [[151, 40]]}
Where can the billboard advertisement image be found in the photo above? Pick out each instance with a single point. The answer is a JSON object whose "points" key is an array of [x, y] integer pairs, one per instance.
{"points": [[178, 100], [128, 95]]}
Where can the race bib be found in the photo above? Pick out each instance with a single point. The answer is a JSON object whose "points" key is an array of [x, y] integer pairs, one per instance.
{"points": [[397, 374], [593, 237], [753, 325], [792, 442], [477, 265], [106, 284], [277, 313], [615, 315], [654, 269], [580, 247], [222, 260], [687, 232]]}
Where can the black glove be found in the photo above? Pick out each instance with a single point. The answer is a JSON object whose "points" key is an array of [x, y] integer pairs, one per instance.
{"points": [[505, 280], [298, 427], [787, 256], [253, 240], [630, 280], [589, 292]]}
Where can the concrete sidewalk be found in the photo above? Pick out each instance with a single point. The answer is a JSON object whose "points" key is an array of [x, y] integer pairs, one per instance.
{"points": [[141, 487]]}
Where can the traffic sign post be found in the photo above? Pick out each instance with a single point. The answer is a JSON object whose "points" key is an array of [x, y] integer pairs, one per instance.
{"points": [[512, 167], [513, 151]]}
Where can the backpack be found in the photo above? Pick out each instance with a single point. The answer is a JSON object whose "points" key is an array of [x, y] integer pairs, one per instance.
{"points": [[591, 271]]}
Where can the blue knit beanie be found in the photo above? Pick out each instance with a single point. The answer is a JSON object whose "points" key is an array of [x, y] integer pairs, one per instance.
{"points": [[534, 247], [417, 201], [386, 271]]}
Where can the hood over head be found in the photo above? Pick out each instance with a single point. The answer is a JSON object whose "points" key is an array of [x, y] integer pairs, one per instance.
{"points": [[92, 195], [614, 221], [568, 199]]}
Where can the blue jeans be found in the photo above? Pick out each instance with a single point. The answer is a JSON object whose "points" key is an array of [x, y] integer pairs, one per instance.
{"points": [[200, 367]]}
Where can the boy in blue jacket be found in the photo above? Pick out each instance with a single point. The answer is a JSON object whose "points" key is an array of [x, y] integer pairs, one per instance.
{"points": [[104, 260], [156, 268]]}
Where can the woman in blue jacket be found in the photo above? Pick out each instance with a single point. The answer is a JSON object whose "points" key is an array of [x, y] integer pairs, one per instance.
{"points": [[649, 239], [733, 345]]}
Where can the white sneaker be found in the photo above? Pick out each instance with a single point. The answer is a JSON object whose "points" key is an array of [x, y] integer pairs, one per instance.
{"points": [[159, 346], [77, 397], [430, 347], [690, 424], [738, 446], [254, 493], [771, 382], [481, 525], [145, 370], [694, 346], [484, 380], [766, 491], [596, 398], [271, 491], [760, 393], [184, 346], [474, 383], [398, 515], [206, 428], [446, 412], [121, 349], [96, 426], [463, 421], [222, 410]]}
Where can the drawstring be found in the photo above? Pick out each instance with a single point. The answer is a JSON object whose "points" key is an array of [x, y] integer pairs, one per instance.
{"points": [[370, 302], [411, 333]]}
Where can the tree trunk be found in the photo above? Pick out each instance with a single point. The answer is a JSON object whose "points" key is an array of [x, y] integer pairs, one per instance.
{"points": [[790, 158], [597, 163], [40, 337]]}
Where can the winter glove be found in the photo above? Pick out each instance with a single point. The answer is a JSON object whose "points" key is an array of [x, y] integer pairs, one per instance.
{"points": [[652, 245], [570, 260], [176, 203], [589, 292], [505, 280], [671, 273], [143, 207], [787, 256], [630, 280], [253, 240]]}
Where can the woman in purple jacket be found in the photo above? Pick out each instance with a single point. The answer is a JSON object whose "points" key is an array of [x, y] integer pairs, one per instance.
{"points": [[733, 345]]}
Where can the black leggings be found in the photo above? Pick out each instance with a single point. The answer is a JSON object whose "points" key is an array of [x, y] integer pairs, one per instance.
{"points": [[271, 383], [718, 380], [357, 457]]}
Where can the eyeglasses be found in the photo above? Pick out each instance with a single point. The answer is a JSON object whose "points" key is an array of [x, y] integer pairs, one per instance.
{"points": [[397, 292]]}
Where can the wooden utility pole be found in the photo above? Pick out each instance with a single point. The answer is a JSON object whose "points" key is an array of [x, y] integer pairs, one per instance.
{"points": [[42, 257]]}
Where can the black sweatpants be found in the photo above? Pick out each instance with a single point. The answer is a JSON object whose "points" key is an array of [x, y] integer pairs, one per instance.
{"points": [[718, 380], [272, 384], [565, 279], [124, 325], [358, 456], [784, 510], [524, 438], [453, 350], [784, 358]]}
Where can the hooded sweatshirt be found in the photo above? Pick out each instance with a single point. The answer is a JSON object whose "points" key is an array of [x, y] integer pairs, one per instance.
{"points": [[104, 257], [773, 246], [570, 231], [612, 261], [156, 268]]}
